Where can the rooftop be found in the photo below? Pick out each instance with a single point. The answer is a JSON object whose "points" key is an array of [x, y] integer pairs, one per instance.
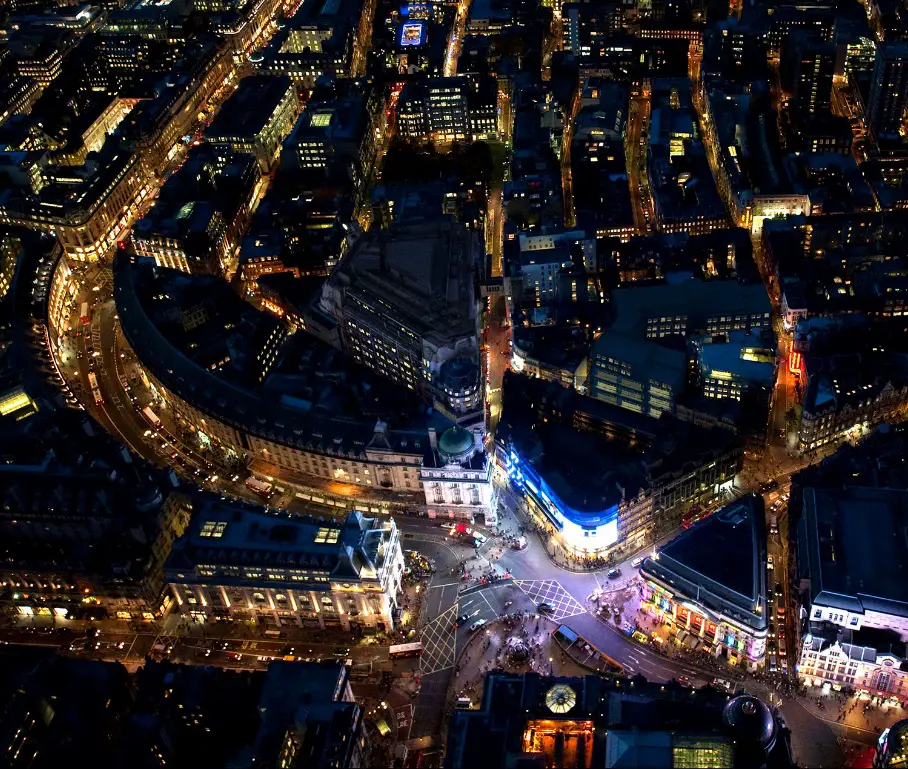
{"points": [[857, 549], [226, 533], [250, 108], [332, 406], [720, 562], [422, 274]]}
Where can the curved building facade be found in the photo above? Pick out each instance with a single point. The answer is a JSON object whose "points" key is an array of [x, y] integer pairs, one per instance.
{"points": [[257, 425]]}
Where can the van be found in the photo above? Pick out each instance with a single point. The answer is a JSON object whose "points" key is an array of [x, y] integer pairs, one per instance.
{"points": [[636, 563], [773, 665]]}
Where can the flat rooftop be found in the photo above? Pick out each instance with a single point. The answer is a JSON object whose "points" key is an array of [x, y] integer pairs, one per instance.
{"points": [[248, 110], [857, 548], [720, 562], [421, 274]]}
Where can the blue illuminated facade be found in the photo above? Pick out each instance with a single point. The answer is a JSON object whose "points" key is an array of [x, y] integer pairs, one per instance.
{"points": [[583, 531]]}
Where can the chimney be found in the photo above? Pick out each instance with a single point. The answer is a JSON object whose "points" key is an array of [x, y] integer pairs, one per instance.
{"points": [[478, 439], [433, 439]]}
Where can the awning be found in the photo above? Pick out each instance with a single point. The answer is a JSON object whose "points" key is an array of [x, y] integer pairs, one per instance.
{"points": [[567, 634]]}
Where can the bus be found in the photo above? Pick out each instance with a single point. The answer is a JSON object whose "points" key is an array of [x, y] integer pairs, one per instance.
{"points": [[84, 314], [401, 651], [95, 390], [259, 487], [152, 417]]}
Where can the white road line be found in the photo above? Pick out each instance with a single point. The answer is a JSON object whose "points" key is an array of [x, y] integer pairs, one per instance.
{"points": [[488, 604], [446, 584]]}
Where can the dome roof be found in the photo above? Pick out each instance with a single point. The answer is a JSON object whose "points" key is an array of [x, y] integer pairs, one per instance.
{"points": [[456, 443], [750, 721]]}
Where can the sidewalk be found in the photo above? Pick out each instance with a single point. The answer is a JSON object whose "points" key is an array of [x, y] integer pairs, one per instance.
{"points": [[855, 711]]}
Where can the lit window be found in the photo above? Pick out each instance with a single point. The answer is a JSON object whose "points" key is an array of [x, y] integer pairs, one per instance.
{"points": [[213, 529], [326, 536]]}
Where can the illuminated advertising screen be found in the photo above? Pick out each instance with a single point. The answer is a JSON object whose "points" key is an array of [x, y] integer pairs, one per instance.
{"points": [[412, 34]]}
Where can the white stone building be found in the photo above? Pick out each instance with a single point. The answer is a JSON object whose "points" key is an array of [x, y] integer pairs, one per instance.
{"points": [[456, 476]]}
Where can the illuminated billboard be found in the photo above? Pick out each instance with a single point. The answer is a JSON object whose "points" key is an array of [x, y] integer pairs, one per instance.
{"points": [[412, 34]]}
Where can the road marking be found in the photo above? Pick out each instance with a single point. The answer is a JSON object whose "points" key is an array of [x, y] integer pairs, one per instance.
{"points": [[439, 641], [488, 604], [446, 584]]}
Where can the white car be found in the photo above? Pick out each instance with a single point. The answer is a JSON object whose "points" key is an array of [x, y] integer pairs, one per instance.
{"points": [[476, 625], [636, 563], [769, 564]]}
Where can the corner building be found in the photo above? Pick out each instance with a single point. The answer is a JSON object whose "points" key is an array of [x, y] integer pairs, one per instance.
{"points": [[243, 563]]}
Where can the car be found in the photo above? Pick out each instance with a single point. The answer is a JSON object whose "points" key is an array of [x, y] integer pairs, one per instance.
{"points": [[773, 529], [772, 629], [769, 564], [773, 664], [449, 525], [341, 651], [684, 681], [782, 650], [476, 625], [545, 608], [235, 656], [636, 563], [724, 684], [614, 573], [780, 612], [461, 620], [778, 590]]}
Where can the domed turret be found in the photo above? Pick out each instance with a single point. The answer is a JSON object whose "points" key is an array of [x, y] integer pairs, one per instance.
{"points": [[456, 444], [751, 725]]}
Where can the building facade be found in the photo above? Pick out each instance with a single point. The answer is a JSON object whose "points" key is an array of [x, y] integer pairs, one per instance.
{"points": [[243, 563], [710, 582], [836, 664], [457, 477]]}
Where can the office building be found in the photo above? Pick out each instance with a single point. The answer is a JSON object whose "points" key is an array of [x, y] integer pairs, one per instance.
{"points": [[606, 721], [201, 213], [72, 549], [888, 91], [445, 110], [295, 715], [257, 118], [88, 207], [243, 563], [847, 393], [637, 363], [807, 67], [10, 252], [309, 718], [155, 126], [710, 581], [406, 318], [731, 364]]}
